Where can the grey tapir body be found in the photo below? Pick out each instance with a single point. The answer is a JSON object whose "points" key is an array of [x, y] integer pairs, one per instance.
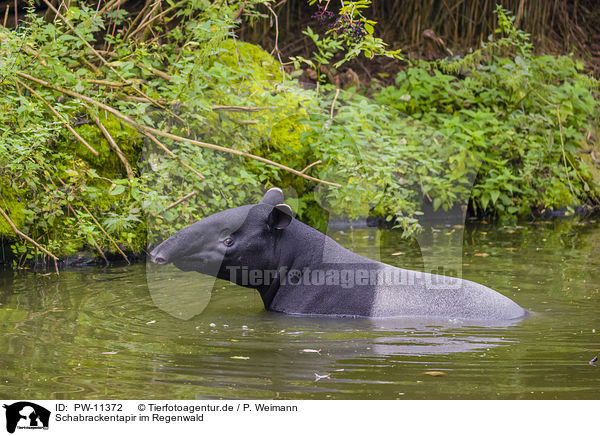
{"points": [[299, 270]]}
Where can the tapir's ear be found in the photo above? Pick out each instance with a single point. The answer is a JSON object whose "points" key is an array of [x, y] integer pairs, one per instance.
{"points": [[280, 217], [273, 196]]}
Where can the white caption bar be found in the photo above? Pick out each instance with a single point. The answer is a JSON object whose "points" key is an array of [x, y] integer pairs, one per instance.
{"points": [[150, 417]]}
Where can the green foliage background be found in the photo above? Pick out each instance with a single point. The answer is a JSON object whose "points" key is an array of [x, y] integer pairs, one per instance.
{"points": [[501, 129]]}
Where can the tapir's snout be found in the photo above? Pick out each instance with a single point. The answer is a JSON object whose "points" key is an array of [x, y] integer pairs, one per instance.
{"points": [[160, 255], [156, 258]]}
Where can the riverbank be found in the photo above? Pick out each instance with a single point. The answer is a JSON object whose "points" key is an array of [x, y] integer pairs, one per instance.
{"points": [[108, 142]]}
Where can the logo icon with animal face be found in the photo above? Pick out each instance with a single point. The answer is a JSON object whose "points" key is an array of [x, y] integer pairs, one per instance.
{"points": [[24, 414]]}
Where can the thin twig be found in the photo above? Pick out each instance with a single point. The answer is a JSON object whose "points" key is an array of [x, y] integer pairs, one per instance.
{"points": [[144, 100], [175, 203], [141, 26], [114, 25], [156, 72], [114, 145], [149, 131], [337, 92], [423, 189], [93, 240], [20, 96], [59, 116], [24, 236], [6, 15], [173, 155], [135, 20], [156, 5], [564, 155], [100, 251], [311, 165], [239, 12], [276, 48], [241, 108], [111, 4], [107, 83], [106, 233]]}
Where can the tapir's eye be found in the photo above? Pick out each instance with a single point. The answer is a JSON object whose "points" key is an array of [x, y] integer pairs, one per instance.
{"points": [[228, 242]]}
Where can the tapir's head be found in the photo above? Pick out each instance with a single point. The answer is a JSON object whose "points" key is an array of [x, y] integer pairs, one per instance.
{"points": [[245, 236]]}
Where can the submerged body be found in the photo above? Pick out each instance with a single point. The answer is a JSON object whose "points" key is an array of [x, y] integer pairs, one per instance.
{"points": [[299, 270]]}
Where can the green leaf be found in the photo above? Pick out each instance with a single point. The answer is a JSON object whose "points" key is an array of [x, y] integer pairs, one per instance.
{"points": [[117, 190]]}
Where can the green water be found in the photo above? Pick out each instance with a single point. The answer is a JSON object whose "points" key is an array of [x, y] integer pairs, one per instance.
{"points": [[98, 333]]}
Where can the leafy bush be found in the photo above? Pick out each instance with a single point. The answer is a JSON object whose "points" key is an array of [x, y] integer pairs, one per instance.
{"points": [[523, 118]]}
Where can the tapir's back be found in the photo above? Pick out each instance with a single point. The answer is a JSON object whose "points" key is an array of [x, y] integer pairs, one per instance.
{"points": [[422, 294], [324, 278]]}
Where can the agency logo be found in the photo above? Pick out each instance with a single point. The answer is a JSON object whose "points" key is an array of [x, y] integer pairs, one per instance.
{"points": [[26, 415]]}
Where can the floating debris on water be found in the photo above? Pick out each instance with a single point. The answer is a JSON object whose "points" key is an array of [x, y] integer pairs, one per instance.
{"points": [[310, 350], [319, 377], [240, 357], [435, 373], [593, 361]]}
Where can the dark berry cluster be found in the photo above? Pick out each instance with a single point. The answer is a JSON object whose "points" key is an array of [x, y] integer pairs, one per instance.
{"points": [[323, 16], [342, 25], [346, 26], [357, 33]]}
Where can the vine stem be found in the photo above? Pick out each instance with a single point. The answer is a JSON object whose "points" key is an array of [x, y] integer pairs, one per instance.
{"points": [[152, 131]]}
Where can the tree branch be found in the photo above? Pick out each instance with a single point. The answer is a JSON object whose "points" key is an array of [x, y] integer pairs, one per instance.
{"points": [[153, 131]]}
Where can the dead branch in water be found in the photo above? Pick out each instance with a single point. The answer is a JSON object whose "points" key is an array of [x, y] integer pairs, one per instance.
{"points": [[27, 238]]}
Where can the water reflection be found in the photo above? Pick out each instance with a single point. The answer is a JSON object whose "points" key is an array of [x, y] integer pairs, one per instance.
{"points": [[98, 333]]}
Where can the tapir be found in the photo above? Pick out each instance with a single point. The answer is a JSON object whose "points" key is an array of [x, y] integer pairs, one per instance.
{"points": [[299, 270]]}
